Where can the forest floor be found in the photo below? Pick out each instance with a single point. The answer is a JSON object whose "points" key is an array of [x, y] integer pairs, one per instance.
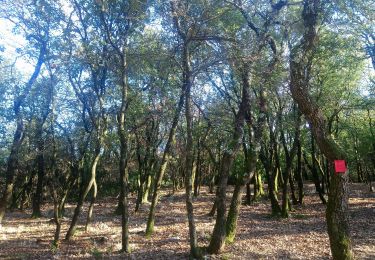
{"points": [[259, 236]]}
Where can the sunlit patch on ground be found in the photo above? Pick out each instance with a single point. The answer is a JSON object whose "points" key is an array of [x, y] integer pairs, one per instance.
{"points": [[259, 236]]}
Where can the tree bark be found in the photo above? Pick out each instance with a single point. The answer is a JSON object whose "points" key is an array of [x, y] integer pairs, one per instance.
{"points": [[82, 198], [299, 173], [123, 136], [12, 163], [163, 166], [38, 196], [337, 207], [217, 241], [194, 251]]}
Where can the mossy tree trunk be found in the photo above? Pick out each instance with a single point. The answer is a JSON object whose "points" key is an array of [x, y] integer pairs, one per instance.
{"points": [[290, 155], [163, 165], [217, 241], [300, 61]]}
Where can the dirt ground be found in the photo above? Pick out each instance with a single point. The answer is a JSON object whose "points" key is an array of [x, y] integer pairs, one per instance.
{"points": [[259, 236]]}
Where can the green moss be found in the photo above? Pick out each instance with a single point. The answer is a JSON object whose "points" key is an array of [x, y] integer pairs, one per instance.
{"points": [[299, 216], [231, 227], [54, 247], [150, 229], [96, 253]]}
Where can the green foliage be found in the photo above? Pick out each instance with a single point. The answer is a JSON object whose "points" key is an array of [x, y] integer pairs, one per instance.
{"points": [[96, 253]]}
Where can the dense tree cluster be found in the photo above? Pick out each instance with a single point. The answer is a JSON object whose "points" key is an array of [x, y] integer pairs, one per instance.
{"points": [[128, 96]]}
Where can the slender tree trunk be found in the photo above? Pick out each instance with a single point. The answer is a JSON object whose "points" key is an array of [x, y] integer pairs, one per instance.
{"points": [[91, 207], [259, 183], [292, 188], [125, 204], [40, 162], [198, 173], [194, 251], [146, 188], [285, 202], [163, 166], [141, 177], [316, 181], [251, 162], [299, 174], [123, 136], [213, 209], [248, 194], [217, 241], [82, 198]]}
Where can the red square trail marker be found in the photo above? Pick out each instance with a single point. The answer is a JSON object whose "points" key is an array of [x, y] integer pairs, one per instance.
{"points": [[340, 166]]}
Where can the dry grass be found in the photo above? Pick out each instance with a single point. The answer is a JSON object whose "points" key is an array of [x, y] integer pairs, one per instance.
{"points": [[259, 236]]}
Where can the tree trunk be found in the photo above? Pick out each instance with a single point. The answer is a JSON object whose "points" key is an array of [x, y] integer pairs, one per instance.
{"points": [[337, 207], [91, 207], [12, 163], [217, 241], [82, 198], [299, 174], [194, 251], [251, 162], [123, 136], [163, 166], [315, 177], [40, 162], [234, 209], [248, 194], [285, 197], [271, 169]]}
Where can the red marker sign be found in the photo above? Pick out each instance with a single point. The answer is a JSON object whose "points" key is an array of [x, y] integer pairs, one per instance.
{"points": [[340, 166]]}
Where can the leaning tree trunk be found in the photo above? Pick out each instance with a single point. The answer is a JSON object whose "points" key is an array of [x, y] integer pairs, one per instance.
{"points": [[163, 165], [38, 197], [82, 198], [337, 207], [217, 241], [12, 164], [251, 160], [91, 207]]}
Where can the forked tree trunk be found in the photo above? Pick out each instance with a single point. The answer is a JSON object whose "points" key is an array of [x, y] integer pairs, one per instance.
{"points": [[82, 198], [270, 167], [251, 162], [217, 241], [91, 207]]}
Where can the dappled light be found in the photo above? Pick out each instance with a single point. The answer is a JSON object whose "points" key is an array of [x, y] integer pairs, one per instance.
{"points": [[187, 129]]}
